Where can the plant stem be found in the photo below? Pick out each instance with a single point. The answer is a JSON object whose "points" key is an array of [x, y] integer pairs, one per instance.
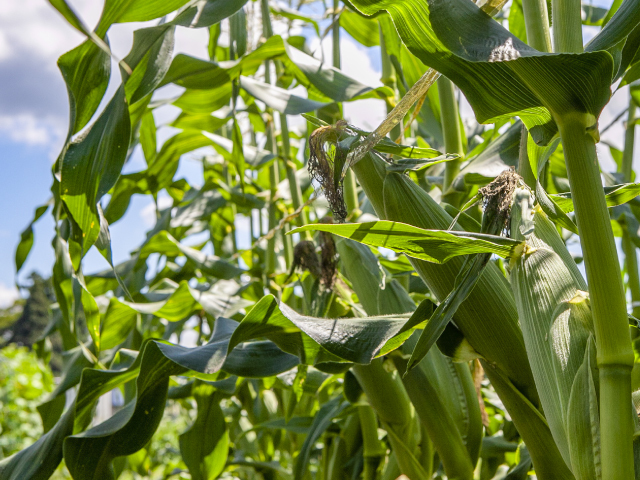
{"points": [[608, 303], [452, 136], [434, 413], [350, 188], [335, 32], [629, 142], [567, 26], [274, 174], [389, 399], [389, 79], [524, 166], [290, 168], [372, 452], [629, 249], [536, 23]]}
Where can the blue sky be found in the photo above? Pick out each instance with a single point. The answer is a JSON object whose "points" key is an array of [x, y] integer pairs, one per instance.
{"points": [[33, 119]]}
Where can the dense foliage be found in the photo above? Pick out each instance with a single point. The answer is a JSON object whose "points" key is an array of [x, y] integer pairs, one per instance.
{"points": [[263, 329]]}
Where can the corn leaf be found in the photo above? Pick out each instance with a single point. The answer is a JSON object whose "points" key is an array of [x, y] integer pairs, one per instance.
{"points": [[516, 78], [614, 195], [321, 340], [435, 246]]}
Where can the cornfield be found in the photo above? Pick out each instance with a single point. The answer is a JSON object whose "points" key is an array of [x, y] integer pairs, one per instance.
{"points": [[360, 304]]}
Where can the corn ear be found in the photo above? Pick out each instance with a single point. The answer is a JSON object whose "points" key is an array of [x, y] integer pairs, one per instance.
{"points": [[557, 327], [488, 318]]}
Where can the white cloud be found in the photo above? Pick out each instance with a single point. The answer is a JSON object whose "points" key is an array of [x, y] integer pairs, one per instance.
{"points": [[25, 128], [8, 295]]}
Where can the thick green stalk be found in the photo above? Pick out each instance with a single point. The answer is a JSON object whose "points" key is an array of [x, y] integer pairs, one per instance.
{"points": [[450, 121], [536, 23], [567, 26], [388, 398], [608, 303]]}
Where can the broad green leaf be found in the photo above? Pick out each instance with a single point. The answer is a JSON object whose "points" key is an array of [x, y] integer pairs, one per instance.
{"points": [[365, 31], [499, 155], [161, 171], [182, 301], [88, 455], [149, 59], [592, 15], [26, 238], [86, 70], [148, 136], [125, 188], [204, 13], [324, 83], [70, 15], [632, 75], [91, 312], [205, 100], [435, 246], [202, 122], [255, 158], [294, 424], [516, 20], [122, 11], [328, 83], [116, 324], [165, 244], [615, 195], [616, 30], [278, 98], [205, 446], [418, 164], [91, 166], [190, 72], [321, 340], [516, 78], [550, 206], [200, 207]]}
